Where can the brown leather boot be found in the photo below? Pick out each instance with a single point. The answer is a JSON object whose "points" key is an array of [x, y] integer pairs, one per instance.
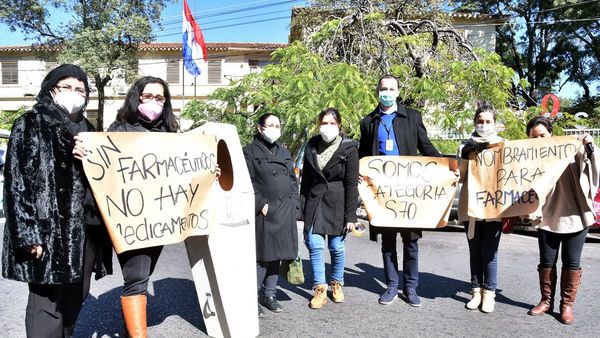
{"points": [[569, 283], [134, 314], [548, 290]]}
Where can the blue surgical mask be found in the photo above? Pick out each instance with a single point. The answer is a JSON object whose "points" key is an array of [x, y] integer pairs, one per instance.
{"points": [[386, 98]]}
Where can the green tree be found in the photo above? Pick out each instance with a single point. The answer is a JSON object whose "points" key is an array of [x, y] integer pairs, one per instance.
{"points": [[7, 118], [546, 39], [297, 87], [102, 36], [301, 84]]}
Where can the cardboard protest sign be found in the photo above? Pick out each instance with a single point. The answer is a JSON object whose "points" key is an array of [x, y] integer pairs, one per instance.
{"points": [[513, 178], [152, 188], [407, 191]]}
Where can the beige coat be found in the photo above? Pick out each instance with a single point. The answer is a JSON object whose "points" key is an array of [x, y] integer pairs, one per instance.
{"points": [[568, 206]]}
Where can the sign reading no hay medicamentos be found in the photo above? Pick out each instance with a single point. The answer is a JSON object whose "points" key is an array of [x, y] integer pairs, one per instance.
{"points": [[152, 188]]}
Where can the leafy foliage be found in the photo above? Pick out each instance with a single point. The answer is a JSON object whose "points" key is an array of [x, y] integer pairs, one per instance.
{"points": [[301, 83], [544, 39], [100, 36], [7, 118]]}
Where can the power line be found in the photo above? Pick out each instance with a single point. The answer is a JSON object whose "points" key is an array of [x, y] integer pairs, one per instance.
{"points": [[231, 25], [229, 19], [222, 13], [567, 5], [219, 8]]}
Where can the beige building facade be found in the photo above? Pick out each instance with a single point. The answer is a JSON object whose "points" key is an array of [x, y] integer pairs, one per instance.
{"points": [[22, 72]]}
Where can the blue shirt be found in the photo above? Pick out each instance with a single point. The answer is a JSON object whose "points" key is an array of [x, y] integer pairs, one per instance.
{"points": [[386, 132]]}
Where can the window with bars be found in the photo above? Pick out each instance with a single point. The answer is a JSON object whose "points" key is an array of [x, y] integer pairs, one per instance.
{"points": [[254, 66], [173, 71], [10, 72], [214, 71]]}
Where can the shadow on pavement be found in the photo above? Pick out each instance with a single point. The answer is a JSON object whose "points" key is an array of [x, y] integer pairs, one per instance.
{"points": [[370, 278], [172, 296]]}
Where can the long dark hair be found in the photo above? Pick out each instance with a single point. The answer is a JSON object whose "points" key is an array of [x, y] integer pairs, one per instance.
{"points": [[129, 111]]}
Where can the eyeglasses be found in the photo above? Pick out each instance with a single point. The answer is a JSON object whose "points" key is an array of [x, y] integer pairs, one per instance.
{"points": [[147, 97], [68, 88]]}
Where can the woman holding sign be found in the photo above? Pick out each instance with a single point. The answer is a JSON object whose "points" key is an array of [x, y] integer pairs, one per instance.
{"points": [[147, 108], [276, 207], [566, 216], [483, 235], [330, 196], [52, 239]]}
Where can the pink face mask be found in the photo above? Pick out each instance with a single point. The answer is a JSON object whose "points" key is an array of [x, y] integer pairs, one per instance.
{"points": [[150, 110]]}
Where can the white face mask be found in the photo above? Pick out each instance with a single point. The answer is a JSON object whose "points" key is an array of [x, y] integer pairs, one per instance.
{"points": [[329, 132], [71, 101], [485, 130], [271, 134]]}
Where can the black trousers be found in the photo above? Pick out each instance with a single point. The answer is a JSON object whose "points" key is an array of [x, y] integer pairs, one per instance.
{"points": [[267, 275], [572, 246], [137, 266], [52, 309]]}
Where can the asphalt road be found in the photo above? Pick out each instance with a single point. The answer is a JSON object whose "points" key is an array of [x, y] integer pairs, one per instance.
{"points": [[173, 310]]}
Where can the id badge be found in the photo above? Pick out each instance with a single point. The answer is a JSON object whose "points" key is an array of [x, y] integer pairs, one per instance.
{"points": [[389, 145]]}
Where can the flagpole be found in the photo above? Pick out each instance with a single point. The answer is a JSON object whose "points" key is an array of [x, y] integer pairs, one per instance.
{"points": [[195, 76], [182, 85]]}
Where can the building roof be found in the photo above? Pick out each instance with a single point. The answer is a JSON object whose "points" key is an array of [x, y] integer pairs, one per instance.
{"points": [[175, 46]]}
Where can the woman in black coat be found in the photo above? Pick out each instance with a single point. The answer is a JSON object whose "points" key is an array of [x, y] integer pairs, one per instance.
{"points": [[330, 194], [48, 239], [276, 205]]}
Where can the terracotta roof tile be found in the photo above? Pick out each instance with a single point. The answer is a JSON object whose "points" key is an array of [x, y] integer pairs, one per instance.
{"points": [[173, 46]]}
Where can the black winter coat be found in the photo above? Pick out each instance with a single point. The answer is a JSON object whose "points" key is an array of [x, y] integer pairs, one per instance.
{"points": [[44, 195], [275, 184], [411, 139], [330, 196]]}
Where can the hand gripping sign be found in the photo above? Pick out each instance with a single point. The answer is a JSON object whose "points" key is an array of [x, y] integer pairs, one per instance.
{"points": [[407, 191], [513, 178], [167, 193]]}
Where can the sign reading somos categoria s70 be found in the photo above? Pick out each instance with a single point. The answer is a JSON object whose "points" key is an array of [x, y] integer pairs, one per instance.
{"points": [[152, 188], [513, 178], [407, 191]]}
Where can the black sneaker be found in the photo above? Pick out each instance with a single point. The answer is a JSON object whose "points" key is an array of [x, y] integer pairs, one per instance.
{"points": [[411, 297], [271, 303]]}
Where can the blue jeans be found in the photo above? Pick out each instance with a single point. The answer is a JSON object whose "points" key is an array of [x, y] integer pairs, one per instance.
{"points": [[410, 259], [483, 253], [337, 249]]}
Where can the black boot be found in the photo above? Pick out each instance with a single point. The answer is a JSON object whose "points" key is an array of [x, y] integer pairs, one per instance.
{"points": [[271, 303]]}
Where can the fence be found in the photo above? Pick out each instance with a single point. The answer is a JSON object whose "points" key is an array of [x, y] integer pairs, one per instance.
{"points": [[595, 132]]}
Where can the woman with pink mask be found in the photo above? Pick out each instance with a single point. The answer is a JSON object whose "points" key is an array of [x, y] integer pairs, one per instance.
{"points": [[147, 108]]}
